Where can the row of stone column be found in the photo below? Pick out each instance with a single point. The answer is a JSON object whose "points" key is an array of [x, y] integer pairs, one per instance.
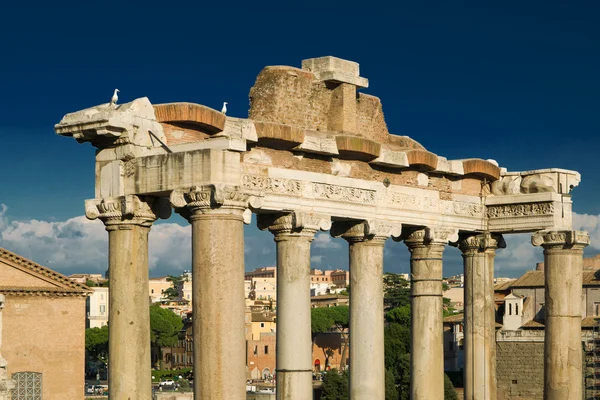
{"points": [[217, 216]]}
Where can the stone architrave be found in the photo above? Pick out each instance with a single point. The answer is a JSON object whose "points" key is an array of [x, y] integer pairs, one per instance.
{"points": [[366, 240], [6, 384], [563, 265], [128, 220], [217, 213], [426, 246], [478, 251], [293, 233]]}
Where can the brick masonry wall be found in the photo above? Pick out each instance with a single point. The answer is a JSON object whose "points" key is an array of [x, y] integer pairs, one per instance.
{"points": [[47, 335], [520, 370]]}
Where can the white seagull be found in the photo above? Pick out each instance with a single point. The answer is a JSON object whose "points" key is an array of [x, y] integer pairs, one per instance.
{"points": [[115, 97], [224, 109]]}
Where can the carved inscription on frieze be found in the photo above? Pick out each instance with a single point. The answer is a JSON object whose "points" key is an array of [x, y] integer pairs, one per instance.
{"points": [[462, 208], [343, 193], [274, 185], [410, 202], [396, 200], [520, 210], [294, 187]]}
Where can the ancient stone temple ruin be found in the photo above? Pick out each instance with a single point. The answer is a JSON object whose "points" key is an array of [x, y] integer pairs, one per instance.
{"points": [[314, 155]]}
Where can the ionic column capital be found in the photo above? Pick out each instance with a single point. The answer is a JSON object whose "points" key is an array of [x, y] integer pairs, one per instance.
{"points": [[575, 240], [217, 198], [471, 243], [417, 237], [374, 230], [295, 223], [127, 210]]}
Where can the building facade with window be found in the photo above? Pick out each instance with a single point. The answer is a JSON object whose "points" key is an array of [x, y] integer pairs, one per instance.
{"points": [[97, 308], [43, 330]]}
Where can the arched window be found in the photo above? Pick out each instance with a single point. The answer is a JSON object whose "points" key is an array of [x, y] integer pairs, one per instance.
{"points": [[510, 309], [516, 309]]}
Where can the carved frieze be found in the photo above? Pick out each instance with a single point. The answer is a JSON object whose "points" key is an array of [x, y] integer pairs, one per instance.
{"points": [[412, 202], [520, 210], [343, 193], [273, 185], [462, 208]]}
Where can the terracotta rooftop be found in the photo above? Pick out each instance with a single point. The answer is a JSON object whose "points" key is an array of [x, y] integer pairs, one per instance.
{"points": [[459, 318], [329, 297], [263, 317], [502, 286], [536, 279], [587, 322], [455, 318]]}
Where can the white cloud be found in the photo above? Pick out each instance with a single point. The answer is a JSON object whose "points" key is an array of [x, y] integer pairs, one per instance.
{"points": [[3, 218], [324, 241], [519, 254], [81, 245], [590, 223], [316, 259]]}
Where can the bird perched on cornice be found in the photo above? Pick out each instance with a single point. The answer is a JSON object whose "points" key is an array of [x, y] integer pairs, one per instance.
{"points": [[115, 97], [224, 109]]}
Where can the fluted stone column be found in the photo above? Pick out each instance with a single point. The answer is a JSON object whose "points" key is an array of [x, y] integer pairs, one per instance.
{"points": [[128, 220], [367, 364], [293, 234], [478, 251], [426, 247], [216, 213], [563, 264]]}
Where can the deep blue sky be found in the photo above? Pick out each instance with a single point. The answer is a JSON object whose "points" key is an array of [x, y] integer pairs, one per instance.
{"points": [[515, 81]]}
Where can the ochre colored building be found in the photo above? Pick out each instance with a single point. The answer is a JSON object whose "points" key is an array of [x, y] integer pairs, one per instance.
{"points": [[43, 329]]}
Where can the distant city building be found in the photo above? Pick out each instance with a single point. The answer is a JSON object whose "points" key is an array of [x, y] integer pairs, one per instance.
{"points": [[96, 306], [340, 278], [329, 300], [261, 288], [520, 323], [98, 279], [263, 272], [184, 289], [181, 354], [157, 287], [456, 296]]}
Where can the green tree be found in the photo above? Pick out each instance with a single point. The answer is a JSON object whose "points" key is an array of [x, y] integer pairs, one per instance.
{"points": [[320, 321], [96, 341], [399, 315], [324, 319], [165, 326], [449, 391], [90, 283], [396, 291], [335, 385], [391, 393], [171, 293], [447, 307]]}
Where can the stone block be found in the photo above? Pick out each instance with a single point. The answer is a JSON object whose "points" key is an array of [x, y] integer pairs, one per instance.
{"points": [[333, 69]]}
